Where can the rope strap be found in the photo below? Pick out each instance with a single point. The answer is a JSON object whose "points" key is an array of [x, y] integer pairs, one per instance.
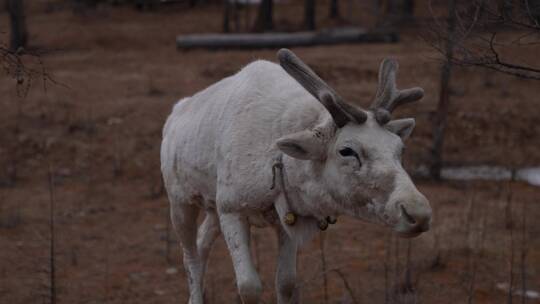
{"points": [[290, 217]]}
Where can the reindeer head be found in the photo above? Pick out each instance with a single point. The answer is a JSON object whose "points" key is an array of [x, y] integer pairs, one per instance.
{"points": [[360, 154]]}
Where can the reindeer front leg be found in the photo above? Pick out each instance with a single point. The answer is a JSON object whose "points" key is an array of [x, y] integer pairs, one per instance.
{"points": [[286, 290], [235, 230]]}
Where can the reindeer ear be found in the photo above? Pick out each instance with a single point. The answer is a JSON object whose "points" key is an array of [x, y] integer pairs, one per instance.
{"points": [[307, 144], [401, 127]]}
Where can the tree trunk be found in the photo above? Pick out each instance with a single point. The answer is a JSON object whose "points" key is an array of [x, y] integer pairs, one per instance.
{"points": [[231, 12], [264, 18], [505, 9], [408, 9], [236, 15], [378, 11], [392, 7], [392, 12], [226, 16], [309, 14], [19, 33], [439, 127], [533, 8], [334, 9], [278, 40]]}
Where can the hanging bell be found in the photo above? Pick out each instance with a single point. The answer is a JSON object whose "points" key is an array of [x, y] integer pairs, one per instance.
{"points": [[289, 218], [323, 225], [331, 220]]}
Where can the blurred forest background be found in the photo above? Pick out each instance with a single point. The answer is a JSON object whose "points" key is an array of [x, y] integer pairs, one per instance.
{"points": [[86, 86]]}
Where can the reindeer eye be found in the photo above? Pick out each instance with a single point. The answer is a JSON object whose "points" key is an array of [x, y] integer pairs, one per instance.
{"points": [[347, 152]]}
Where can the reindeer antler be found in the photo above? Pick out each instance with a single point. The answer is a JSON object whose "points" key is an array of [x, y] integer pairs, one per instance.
{"points": [[340, 111], [388, 97]]}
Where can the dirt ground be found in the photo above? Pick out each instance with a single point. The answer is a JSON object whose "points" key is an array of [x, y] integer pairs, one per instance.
{"points": [[98, 132]]}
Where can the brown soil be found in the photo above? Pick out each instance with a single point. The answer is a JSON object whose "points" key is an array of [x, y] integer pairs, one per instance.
{"points": [[99, 131]]}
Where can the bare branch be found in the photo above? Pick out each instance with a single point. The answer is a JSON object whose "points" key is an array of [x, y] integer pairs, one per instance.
{"points": [[24, 66], [476, 43]]}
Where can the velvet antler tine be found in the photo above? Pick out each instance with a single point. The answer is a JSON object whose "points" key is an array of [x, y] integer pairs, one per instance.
{"points": [[340, 111], [388, 97], [407, 96]]}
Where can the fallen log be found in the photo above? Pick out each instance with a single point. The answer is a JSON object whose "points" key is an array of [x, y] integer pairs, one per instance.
{"points": [[278, 40]]}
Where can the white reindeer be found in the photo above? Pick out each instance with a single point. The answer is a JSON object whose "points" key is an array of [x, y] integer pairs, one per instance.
{"points": [[276, 146]]}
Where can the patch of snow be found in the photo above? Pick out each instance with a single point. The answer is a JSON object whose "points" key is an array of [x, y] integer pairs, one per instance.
{"points": [[477, 172], [159, 292], [530, 175], [171, 270], [531, 294]]}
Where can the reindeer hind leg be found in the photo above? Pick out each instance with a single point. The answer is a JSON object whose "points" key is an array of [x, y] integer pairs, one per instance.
{"points": [[207, 234], [184, 219]]}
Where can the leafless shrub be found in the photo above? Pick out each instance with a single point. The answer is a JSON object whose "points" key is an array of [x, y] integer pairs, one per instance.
{"points": [[397, 272], [478, 237], [24, 67], [407, 288], [168, 237], [114, 123], [511, 262], [437, 261], [439, 123], [322, 239], [52, 261], [347, 286], [408, 285], [508, 219], [387, 257], [524, 250], [90, 157], [106, 273], [480, 38], [401, 288], [469, 214]]}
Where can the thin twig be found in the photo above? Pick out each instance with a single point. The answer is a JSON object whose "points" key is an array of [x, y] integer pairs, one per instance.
{"points": [[347, 286], [476, 50], [13, 65], [396, 266], [408, 269], [511, 270], [168, 237], [387, 254], [524, 249], [52, 265], [323, 264]]}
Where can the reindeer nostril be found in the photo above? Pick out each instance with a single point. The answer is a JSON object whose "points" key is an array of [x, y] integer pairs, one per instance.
{"points": [[407, 216]]}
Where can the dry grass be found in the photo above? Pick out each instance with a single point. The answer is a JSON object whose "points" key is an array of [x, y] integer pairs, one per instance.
{"points": [[103, 133]]}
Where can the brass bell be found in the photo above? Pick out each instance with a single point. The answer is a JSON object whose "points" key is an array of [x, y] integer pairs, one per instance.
{"points": [[289, 218], [323, 225], [331, 220]]}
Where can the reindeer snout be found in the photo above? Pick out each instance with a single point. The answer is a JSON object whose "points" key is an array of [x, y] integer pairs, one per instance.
{"points": [[414, 218]]}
